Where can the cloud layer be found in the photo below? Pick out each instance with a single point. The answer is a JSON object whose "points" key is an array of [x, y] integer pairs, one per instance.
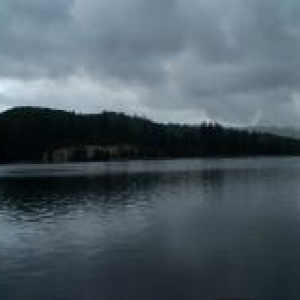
{"points": [[235, 61]]}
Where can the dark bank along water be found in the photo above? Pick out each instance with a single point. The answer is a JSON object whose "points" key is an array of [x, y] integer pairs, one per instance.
{"points": [[186, 229]]}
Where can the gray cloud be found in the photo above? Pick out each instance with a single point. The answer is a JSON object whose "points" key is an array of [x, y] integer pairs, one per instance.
{"points": [[236, 61]]}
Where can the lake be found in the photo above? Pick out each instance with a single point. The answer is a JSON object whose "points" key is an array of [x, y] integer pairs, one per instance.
{"points": [[157, 230]]}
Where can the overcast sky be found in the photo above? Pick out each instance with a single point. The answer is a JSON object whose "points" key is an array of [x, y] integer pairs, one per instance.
{"points": [[232, 61]]}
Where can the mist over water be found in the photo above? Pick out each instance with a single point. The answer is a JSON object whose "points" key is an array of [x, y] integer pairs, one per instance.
{"points": [[182, 229]]}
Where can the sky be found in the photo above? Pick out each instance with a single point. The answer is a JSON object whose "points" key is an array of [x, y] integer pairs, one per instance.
{"points": [[231, 61]]}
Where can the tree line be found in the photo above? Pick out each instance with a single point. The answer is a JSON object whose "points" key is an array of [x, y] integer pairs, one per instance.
{"points": [[28, 134]]}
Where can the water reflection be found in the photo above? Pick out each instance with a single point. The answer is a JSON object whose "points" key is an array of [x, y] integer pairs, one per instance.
{"points": [[182, 234], [35, 195]]}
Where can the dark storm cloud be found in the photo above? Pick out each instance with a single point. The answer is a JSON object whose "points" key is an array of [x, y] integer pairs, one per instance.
{"points": [[237, 60]]}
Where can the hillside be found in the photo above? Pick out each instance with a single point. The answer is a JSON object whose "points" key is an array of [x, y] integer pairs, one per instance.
{"points": [[30, 134], [290, 132]]}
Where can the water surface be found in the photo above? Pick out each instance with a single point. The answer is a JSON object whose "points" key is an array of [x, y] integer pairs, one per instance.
{"points": [[157, 230]]}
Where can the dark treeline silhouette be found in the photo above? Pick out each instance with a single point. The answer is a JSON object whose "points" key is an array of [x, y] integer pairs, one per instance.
{"points": [[31, 134]]}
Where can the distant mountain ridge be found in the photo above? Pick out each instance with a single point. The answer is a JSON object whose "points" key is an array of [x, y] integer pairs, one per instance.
{"points": [[33, 134]]}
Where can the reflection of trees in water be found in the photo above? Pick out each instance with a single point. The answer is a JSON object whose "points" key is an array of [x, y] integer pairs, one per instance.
{"points": [[66, 193], [117, 191], [32, 195], [63, 194], [113, 188]]}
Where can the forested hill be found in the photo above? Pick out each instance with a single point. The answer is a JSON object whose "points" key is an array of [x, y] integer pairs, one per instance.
{"points": [[31, 134]]}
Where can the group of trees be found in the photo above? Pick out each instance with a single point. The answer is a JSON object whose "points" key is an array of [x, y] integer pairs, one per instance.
{"points": [[26, 133]]}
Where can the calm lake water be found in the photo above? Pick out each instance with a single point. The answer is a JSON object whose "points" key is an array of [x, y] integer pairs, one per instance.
{"points": [[157, 230]]}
